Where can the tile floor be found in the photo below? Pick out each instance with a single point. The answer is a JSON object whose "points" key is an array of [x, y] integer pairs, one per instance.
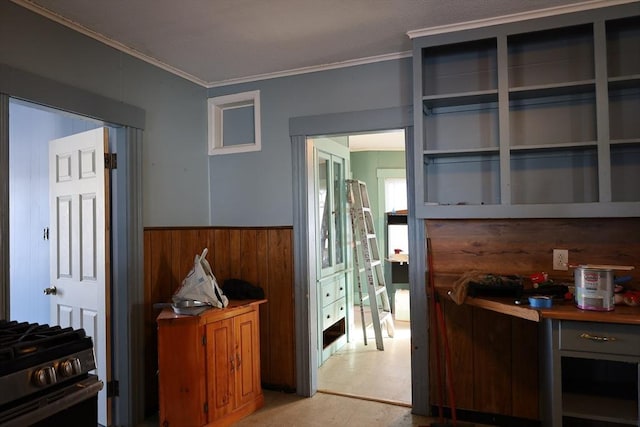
{"points": [[324, 410], [364, 371]]}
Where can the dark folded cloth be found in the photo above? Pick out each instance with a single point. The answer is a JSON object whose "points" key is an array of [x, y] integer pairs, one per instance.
{"points": [[241, 289], [496, 286]]}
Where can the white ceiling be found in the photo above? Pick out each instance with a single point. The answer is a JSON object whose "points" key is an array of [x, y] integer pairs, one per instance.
{"points": [[218, 42], [380, 141]]}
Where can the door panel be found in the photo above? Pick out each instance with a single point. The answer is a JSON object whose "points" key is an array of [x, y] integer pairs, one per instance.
{"points": [[220, 378], [79, 242], [247, 337]]}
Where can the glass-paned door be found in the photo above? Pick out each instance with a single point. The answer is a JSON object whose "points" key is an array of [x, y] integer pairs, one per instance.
{"points": [[331, 161]]}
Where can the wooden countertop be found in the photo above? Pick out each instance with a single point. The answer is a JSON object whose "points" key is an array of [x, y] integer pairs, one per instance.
{"points": [[565, 310], [168, 314]]}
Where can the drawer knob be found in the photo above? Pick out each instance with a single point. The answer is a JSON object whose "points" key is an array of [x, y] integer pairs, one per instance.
{"points": [[588, 336]]}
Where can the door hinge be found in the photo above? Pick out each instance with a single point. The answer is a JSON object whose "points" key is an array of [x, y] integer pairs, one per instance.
{"points": [[113, 388], [206, 407], [110, 160], [204, 340]]}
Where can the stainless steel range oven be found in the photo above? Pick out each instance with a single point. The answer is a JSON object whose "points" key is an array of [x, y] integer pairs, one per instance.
{"points": [[45, 376]]}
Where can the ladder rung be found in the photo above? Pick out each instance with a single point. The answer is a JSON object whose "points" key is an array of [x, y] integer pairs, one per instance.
{"points": [[380, 290]]}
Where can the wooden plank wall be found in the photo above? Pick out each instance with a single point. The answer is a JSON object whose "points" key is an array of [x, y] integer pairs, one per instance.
{"points": [[260, 255], [494, 356], [525, 246]]}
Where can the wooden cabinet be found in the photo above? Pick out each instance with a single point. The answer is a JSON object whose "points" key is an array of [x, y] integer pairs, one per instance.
{"points": [[209, 365], [333, 303], [530, 119]]}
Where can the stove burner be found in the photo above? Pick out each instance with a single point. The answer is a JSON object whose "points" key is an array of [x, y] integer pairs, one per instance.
{"points": [[25, 344], [38, 359]]}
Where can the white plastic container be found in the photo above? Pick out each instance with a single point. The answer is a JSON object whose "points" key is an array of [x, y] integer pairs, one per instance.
{"points": [[594, 289], [401, 300]]}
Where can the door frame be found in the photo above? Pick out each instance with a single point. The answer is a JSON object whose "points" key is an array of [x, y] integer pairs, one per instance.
{"points": [[126, 231], [304, 244]]}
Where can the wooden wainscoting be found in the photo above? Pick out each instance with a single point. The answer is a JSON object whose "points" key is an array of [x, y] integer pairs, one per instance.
{"points": [[495, 356], [260, 255]]}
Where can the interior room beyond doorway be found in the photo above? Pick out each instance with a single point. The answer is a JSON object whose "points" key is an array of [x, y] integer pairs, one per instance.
{"points": [[356, 369]]}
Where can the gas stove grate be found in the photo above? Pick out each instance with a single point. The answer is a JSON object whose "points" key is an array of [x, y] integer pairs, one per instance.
{"points": [[24, 344]]}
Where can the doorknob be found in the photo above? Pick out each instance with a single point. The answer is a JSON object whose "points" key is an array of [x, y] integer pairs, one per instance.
{"points": [[50, 291]]}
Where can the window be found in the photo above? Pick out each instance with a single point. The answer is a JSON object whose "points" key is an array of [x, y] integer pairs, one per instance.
{"points": [[395, 194], [234, 123]]}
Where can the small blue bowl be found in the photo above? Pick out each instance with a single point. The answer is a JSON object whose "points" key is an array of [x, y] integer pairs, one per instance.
{"points": [[540, 302]]}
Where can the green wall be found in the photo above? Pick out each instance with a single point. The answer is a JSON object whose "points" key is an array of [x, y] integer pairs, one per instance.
{"points": [[364, 166]]}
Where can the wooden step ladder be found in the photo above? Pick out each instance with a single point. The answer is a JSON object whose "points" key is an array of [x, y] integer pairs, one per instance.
{"points": [[368, 262]]}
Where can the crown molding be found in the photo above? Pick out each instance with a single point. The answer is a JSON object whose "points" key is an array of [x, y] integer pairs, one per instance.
{"points": [[516, 17], [313, 69]]}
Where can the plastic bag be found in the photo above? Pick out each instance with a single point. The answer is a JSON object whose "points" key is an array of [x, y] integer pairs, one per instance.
{"points": [[201, 285]]}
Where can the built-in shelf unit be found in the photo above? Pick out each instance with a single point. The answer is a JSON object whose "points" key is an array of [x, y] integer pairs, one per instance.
{"points": [[537, 118]]}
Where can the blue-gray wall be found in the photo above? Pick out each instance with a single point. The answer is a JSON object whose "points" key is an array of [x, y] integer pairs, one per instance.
{"points": [[256, 188], [175, 166]]}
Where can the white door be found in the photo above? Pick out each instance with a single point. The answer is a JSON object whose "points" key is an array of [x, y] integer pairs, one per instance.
{"points": [[78, 184]]}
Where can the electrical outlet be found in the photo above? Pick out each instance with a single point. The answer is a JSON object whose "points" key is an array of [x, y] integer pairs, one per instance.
{"points": [[560, 259]]}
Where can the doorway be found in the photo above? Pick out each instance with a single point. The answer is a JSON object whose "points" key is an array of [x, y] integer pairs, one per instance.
{"points": [[126, 124], [350, 367], [32, 127]]}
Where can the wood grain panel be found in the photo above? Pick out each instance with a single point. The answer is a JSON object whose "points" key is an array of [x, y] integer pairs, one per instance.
{"points": [[235, 252], [281, 311], [526, 246], [491, 361], [260, 255], [524, 368], [263, 280], [222, 256], [459, 330], [248, 262]]}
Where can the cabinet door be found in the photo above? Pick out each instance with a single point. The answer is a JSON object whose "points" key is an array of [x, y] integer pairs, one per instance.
{"points": [[181, 391], [247, 358], [220, 368]]}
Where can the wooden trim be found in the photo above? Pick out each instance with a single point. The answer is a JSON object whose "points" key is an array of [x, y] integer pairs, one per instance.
{"points": [[515, 17], [4, 211], [208, 227]]}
